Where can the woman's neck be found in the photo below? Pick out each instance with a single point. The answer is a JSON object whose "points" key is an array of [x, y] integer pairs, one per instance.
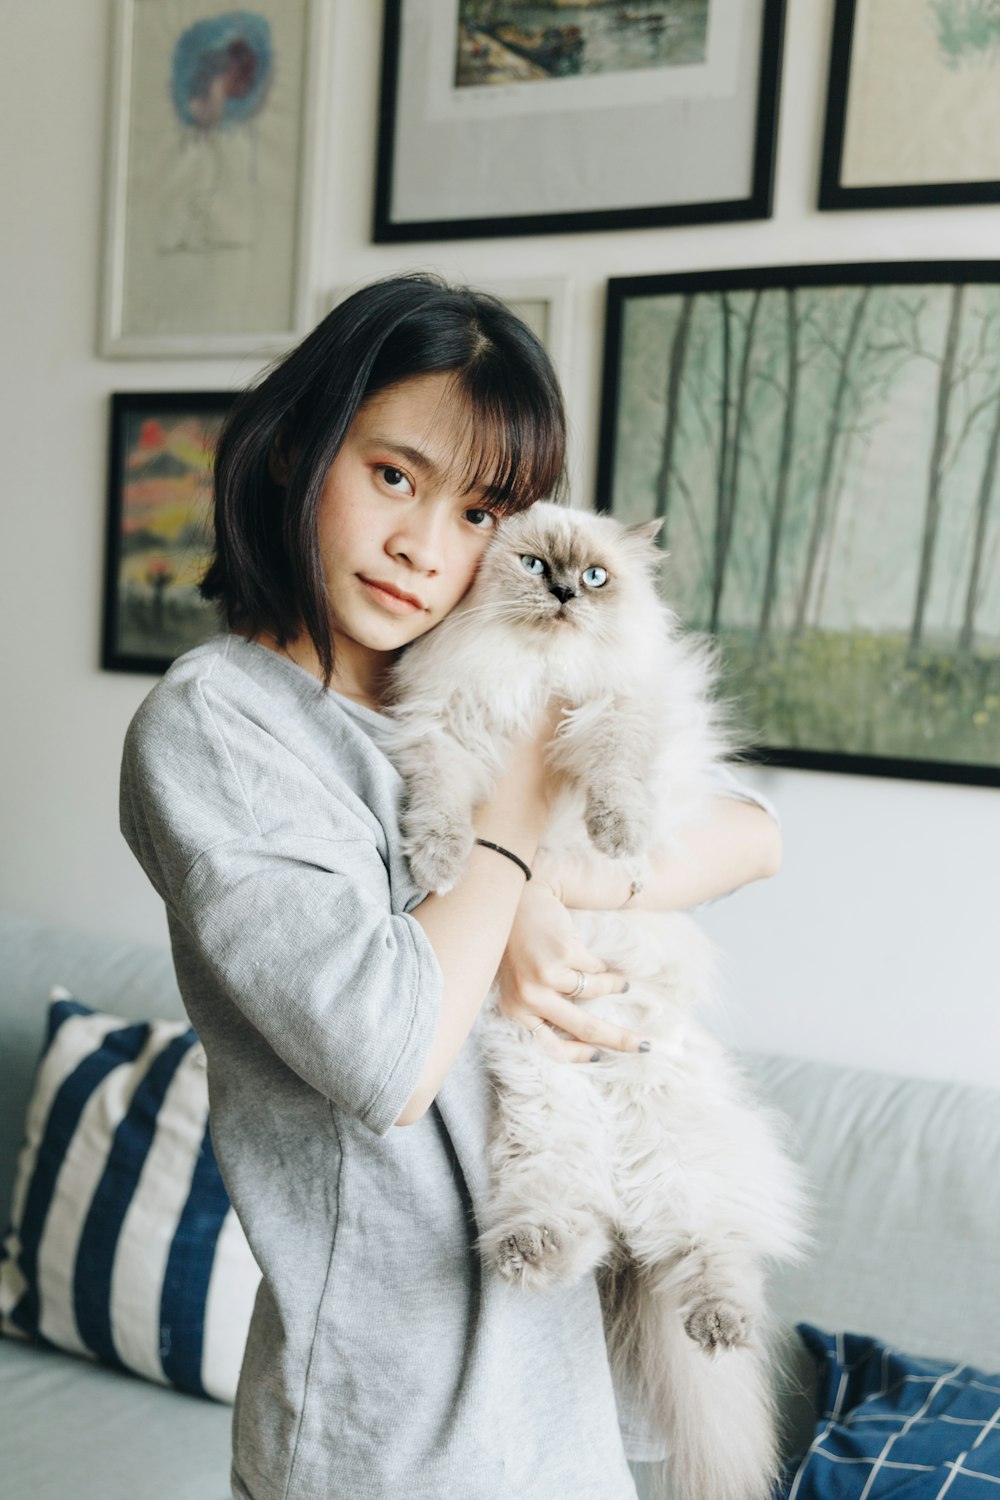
{"points": [[358, 676]]}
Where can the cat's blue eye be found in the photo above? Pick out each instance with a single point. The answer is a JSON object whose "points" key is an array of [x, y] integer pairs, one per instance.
{"points": [[533, 564], [594, 578]]}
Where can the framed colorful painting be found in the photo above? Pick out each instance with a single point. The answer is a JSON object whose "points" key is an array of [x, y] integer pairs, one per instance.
{"points": [[159, 526], [210, 176], [823, 444], [507, 117], [913, 106]]}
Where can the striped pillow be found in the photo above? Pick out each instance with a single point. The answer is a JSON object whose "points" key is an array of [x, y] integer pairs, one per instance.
{"points": [[123, 1245]]}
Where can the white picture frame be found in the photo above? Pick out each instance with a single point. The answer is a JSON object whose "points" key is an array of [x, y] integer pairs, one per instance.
{"points": [[209, 215]]}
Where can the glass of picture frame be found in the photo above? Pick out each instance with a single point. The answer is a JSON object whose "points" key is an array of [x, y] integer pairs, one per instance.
{"points": [[913, 105], [526, 118], [823, 445], [210, 179], [159, 526]]}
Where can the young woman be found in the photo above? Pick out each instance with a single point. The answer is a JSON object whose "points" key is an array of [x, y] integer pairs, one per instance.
{"points": [[356, 488]]}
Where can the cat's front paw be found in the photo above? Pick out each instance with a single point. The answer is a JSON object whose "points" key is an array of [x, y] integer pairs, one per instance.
{"points": [[438, 856], [717, 1325], [621, 833]]}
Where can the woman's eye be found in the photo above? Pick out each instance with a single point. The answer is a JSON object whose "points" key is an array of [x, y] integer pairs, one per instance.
{"points": [[395, 479], [594, 578], [483, 519], [533, 564]]}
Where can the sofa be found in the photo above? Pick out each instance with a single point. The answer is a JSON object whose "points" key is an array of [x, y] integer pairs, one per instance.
{"points": [[903, 1172]]}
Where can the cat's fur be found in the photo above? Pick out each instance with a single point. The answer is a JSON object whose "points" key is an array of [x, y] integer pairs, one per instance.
{"points": [[658, 1169]]}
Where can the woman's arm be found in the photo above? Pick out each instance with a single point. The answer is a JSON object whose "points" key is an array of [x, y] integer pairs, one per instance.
{"points": [[469, 927], [736, 842]]}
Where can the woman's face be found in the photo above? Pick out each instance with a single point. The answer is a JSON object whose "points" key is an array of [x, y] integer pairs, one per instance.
{"points": [[399, 540]]}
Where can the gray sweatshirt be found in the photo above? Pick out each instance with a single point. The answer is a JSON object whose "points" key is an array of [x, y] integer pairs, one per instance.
{"points": [[384, 1361]]}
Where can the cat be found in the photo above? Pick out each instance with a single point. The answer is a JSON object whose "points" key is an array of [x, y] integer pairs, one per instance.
{"points": [[658, 1171]]}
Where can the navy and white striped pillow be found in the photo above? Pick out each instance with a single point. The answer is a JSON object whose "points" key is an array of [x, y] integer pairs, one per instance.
{"points": [[123, 1245]]}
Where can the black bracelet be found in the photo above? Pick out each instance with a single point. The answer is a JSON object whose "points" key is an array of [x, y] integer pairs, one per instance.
{"points": [[499, 849]]}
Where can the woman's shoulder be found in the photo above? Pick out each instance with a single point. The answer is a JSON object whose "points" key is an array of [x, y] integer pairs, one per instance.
{"points": [[236, 736]]}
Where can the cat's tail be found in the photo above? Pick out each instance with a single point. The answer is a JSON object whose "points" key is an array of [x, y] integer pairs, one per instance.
{"points": [[715, 1412]]}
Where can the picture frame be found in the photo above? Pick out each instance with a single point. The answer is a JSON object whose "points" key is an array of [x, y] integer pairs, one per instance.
{"points": [[494, 124], [912, 118], [822, 443], [158, 537], [212, 161]]}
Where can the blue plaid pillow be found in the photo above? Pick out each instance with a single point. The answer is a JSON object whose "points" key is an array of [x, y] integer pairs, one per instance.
{"points": [[123, 1245], [890, 1424]]}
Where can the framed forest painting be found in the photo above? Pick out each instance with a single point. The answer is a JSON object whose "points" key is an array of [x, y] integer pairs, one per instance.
{"points": [[823, 444], [159, 526]]}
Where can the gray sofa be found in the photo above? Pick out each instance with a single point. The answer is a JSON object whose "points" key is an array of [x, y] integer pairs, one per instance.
{"points": [[904, 1172]]}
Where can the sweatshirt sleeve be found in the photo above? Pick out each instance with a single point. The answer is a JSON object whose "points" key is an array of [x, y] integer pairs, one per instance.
{"points": [[276, 876], [345, 992]]}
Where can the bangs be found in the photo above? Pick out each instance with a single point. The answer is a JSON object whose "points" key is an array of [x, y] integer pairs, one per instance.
{"points": [[516, 448]]}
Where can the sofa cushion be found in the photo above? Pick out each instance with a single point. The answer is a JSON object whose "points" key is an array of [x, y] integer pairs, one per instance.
{"points": [[71, 1429], [123, 1244], [907, 1203], [893, 1424], [131, 979]]}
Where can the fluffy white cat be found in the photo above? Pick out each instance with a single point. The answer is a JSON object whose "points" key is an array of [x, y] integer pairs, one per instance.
{"points": [[658, 1170]]}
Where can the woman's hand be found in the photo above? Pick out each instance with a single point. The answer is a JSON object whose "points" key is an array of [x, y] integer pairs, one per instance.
{"points": [[541, 968]]}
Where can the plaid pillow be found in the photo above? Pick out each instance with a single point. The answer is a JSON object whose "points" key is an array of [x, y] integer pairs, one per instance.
{"points": [[123, 1245], [890, 1424]]}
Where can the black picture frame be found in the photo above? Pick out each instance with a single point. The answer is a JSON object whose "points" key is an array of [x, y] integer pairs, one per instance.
{"points": [[158, 526], [834, 195], [756, 205], [822, 687]]}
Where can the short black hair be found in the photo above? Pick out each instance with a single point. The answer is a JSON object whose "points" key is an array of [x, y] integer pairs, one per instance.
{"points": [[266, 572]]}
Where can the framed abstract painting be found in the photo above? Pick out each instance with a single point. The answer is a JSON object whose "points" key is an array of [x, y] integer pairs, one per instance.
{"points": [[913, 104], [159, 526], [503, 117], [823, 445], [210, 172]]}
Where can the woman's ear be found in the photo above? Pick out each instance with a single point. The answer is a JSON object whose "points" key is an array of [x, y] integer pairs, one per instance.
{"points": [[279, 458]]}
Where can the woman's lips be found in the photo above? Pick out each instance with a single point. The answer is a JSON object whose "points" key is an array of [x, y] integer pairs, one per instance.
{"points": [[388, 598]]}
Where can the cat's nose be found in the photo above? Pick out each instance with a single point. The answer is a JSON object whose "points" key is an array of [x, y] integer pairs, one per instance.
{"points": [[561, 592]]}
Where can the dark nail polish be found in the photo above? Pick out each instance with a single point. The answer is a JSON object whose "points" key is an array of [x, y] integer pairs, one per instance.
{"points": [[645, 1046], [595, 1057]]}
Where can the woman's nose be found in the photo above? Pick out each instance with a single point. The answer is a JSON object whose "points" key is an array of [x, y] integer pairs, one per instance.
{"points": [[419, 541]]}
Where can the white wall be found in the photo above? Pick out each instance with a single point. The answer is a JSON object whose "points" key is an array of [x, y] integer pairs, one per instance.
{"points": [[874, 945]]}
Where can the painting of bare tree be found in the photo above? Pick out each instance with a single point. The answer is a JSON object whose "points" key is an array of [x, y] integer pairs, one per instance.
{"points": [[823, 445]]}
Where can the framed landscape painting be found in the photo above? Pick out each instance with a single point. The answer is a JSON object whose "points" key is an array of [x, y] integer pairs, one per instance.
{"points": [[913, 104], [159, 526], [503, 117], [823, 445]]}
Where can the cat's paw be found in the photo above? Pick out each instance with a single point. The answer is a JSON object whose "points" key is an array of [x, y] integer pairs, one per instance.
{"points": [[717, 1325], [537, 1255], [526, 1253], [617, 833], [438, 856]]}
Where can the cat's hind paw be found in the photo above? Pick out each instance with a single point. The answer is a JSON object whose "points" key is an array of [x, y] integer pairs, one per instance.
{"points": [[538, 1255], [717, 1325]]}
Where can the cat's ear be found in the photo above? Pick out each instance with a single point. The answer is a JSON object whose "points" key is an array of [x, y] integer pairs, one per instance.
{"points": [[646, 531]]}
